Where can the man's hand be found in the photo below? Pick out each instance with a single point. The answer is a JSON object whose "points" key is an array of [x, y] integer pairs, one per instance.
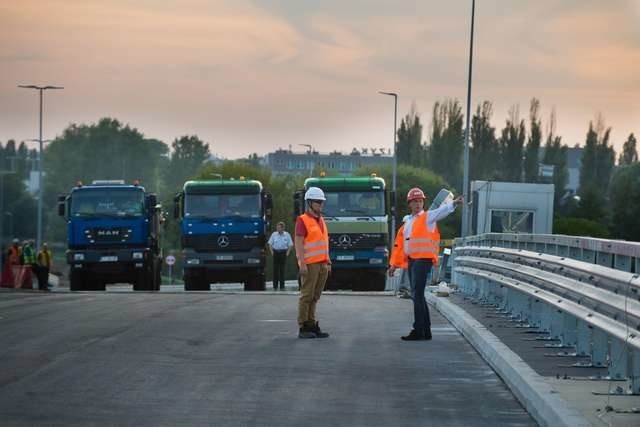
{"points": [[458, 200], [391, 271], [303, 268]]}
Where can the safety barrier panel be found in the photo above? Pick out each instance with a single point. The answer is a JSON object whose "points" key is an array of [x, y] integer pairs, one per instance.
{"points": [[584, 304]]}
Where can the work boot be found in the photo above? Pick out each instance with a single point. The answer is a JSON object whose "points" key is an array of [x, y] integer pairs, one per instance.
{"points": [[427, 334], [316, 330], [414, 335], [306, 331]]}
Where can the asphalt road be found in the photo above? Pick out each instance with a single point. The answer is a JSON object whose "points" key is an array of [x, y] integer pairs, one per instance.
{"points": [[124, 358]]}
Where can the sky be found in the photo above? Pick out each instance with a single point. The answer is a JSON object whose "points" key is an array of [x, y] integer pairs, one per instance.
{"points": [[254, 76]]}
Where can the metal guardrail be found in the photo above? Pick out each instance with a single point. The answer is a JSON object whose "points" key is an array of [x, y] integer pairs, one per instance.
{"points": [[586, 305]]}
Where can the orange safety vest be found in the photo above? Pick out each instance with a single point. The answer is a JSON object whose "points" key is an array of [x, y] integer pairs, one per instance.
{"points": [[423, 244], [398, 258], [316, 242]]}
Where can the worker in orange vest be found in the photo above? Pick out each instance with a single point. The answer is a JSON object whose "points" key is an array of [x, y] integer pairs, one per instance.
{"points": [[420, 246], [311, 244], [398, 260]]}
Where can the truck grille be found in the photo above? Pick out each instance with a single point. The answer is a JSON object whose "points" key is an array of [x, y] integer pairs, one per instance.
{"points": [[355, 241], [222, 242]]}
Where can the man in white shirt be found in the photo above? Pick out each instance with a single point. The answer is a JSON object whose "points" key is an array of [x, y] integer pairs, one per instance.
{"points": [[280, 245]]}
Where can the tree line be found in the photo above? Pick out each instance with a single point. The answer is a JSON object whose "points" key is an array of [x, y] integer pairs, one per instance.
{"points": [[515, 153], [608, 196]]}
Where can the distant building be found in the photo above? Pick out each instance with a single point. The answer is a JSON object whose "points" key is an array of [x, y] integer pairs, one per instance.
{"points": [[574, 156], [287, 162]]}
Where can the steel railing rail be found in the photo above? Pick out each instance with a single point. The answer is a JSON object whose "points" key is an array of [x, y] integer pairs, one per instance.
{"points": [[584, 304]]}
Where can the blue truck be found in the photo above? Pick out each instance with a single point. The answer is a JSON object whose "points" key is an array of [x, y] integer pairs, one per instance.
{"points": [[223, 228], [113, 236], [357, 215]]}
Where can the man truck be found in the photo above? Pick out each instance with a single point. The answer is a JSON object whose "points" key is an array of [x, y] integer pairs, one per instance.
{"points": [[113, 236]]}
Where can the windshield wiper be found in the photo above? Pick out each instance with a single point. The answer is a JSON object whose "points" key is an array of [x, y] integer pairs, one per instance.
{"points": [[361, 212]]}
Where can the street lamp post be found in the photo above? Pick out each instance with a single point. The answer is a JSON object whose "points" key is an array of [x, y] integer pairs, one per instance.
{"points": [[395, 154], [40, 89], [465, 180]]}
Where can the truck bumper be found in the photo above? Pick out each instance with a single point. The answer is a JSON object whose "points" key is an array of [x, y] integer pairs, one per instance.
{"points": [[111, 262], [220, 267]]}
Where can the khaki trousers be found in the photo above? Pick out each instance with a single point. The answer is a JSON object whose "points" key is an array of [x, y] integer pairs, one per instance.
{"points": [[312, 285]]}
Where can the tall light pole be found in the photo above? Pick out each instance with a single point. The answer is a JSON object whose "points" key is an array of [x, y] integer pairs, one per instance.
{"points": [[465, 180], [40, 89], [395, 154]]}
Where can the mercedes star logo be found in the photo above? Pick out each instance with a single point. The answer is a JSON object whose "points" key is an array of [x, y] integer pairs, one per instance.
{"points": [[223, 241], [344, 240]]}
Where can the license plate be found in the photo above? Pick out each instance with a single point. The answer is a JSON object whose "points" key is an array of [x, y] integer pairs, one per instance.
{"points": [[345, 258], [224, 257], [109, 258]]}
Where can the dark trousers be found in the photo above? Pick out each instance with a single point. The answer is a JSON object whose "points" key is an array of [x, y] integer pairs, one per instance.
{"points": [[42, 274], [418, 272], [279, 261]]}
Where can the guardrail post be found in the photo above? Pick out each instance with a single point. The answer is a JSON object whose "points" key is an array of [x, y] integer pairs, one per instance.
{"points": [[545, 317], [583, 344], [618, 353], [563, 251], [635, 371], [588, 256], [570, 330], [599, 347], [575, 253], [557, 323], [622, 262], [536, 313], [604, 259]]}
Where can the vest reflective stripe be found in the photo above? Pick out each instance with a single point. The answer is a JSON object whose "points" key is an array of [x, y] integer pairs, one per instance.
{"points": [[398, 259], [423, 244], [316, 242]]}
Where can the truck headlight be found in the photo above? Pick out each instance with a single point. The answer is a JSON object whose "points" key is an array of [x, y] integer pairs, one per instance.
{"points": [[78, 257], [193, 261], [137, 255], [375, 260], [253, 261]]}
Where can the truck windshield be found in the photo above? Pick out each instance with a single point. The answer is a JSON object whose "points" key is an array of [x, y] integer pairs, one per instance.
{"points": [[354, 203], [107, 201], [222, 205]]}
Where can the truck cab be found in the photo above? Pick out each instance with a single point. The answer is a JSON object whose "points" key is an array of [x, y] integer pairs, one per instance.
{"points": [[223, 227], [113, 236], [357, 216]]}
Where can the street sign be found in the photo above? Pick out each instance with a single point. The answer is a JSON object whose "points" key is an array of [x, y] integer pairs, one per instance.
{"points": [[170, 260]]}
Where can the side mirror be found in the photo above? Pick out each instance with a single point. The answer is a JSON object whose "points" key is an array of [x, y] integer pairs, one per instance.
{"points": [[62, 202], [268, 205], [151, 201], [176, 206]]}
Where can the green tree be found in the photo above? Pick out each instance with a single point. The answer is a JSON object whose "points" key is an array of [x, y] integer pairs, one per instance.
{"points": [[629, 153], [625, 202], [532, 151], [571, 226], [189, 153], [445, 149], [484, 146], [410, 148], [511, 144], [555, 154]]}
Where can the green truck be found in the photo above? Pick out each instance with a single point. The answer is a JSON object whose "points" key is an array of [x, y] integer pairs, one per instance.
{"points": [[357, 215]]}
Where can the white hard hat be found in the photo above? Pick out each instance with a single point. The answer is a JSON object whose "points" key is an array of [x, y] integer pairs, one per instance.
{"points": [[314, 193]]}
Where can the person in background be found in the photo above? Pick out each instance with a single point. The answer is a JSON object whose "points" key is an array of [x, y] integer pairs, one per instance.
{"points": [[421, 246], [280, 245], [29, 259], [43, 262]]}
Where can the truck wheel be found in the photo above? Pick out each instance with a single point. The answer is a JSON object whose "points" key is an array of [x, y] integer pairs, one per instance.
{"points": [[195, 281], [142, 280], [158, 275], [75, 280]]}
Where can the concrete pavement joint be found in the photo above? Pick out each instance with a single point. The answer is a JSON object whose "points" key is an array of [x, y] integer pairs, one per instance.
{"points": [[539, 399]]}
